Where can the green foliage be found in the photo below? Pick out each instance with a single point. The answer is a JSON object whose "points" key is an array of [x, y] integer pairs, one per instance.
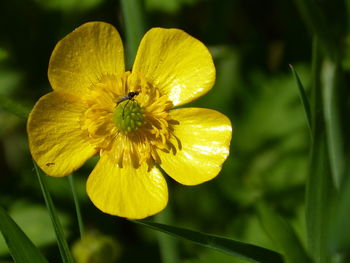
{"points": [[96, 248], [21, 248], [34, 221], [303, 97], [169, 6], [283, 235], [134, 26], [273, 159], [339, 241], [61, 241], [237, 249], [68, 6]]}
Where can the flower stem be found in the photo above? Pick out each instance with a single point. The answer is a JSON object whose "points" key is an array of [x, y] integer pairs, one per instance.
{"points": [[134, 27], [77, 206], [61, 241]]}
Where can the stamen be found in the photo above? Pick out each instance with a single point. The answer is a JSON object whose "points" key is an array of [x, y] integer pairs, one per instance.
{"points": [[129, 120]]}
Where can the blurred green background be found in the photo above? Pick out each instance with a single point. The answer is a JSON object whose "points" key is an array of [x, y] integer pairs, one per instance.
{"points": [[252, 43]]}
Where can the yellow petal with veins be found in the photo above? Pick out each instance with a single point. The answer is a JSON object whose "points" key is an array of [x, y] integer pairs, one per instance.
{"points": [[56, 141], [202, 145], [82, 57], [127, 192], [176, 63]]}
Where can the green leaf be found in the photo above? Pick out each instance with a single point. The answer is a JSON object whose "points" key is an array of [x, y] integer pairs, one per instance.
{"points": [[20, 246], [330, 92], [319, 187], [134, 27], [339, 242], [283, 235], [303, 98], [237, 249], [62, 243], [318, 193], [34, 220], [14, 107]]}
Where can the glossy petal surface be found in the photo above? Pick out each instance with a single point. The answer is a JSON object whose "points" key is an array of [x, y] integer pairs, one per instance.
{"points": [[127, 192], [56, 142], [176, 63], [83, 56], [204, 137]]}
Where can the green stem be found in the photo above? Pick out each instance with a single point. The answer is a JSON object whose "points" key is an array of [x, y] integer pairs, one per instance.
{"points": [[77, 206], [330, 94], [319, 187], [134, 27], [61, 241]]}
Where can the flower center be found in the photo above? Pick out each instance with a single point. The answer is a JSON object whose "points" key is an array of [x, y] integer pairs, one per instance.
{"points": [[128, 116], [129, 119]]}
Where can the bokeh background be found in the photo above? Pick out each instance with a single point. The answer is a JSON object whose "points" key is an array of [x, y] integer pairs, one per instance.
{"points": [[252, 43]]}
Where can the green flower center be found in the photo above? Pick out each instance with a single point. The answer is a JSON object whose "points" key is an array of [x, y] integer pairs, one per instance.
{"points": [[128, 116]]}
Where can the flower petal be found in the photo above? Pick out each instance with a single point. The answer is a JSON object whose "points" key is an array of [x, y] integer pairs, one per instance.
{"points": [[127, 192], [176, 63], [204, 137], [83, 56], [56, 142]]}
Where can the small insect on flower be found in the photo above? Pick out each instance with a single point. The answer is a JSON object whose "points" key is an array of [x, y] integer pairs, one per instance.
{"points": [[129, 96]]}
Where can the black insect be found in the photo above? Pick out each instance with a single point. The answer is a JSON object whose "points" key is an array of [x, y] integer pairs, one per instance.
{"points": [[49, 164], [130, 96]]}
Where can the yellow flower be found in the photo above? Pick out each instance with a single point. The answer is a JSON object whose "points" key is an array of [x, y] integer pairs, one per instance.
{"points": [[128, 118]]}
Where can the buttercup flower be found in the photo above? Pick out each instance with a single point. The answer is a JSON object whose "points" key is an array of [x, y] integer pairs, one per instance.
{"points": [[128, 118]]}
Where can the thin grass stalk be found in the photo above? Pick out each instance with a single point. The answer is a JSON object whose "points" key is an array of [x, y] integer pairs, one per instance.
{"points": [[134, 27], [61, 241], [77, 206]]}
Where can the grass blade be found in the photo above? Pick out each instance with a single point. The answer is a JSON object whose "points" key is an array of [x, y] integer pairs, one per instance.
{"points": [[237, 249], [318, 193], [62, 243], [303, 98], [283, 235], [319, 186], [21, 248], [339, 242], [330, 88], [76, 204], [134, 27]]}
